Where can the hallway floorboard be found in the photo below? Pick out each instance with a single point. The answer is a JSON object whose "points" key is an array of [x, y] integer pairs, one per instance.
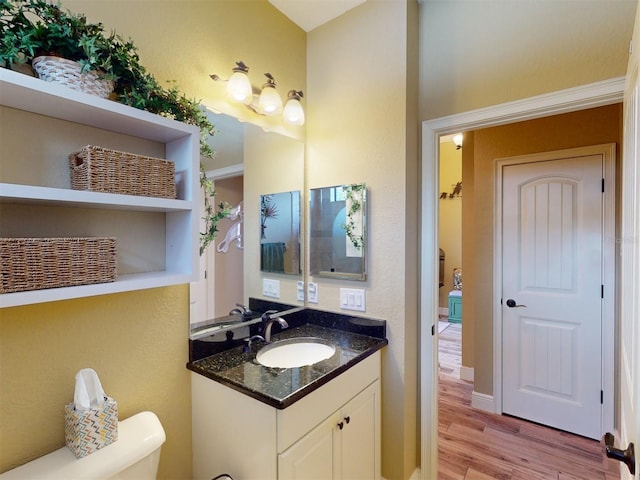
{"points": [[476, 445]]}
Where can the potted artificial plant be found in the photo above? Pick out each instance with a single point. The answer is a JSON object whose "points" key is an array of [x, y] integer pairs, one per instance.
{"points": [[32, 29]]}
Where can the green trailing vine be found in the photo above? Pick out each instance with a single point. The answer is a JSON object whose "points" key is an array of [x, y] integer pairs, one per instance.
{"points": [[212, 213], [354, 194]]}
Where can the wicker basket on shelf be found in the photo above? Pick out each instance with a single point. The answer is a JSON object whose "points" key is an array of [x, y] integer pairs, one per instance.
{"points": [[100, 169], [38, 263], [69, 73]]}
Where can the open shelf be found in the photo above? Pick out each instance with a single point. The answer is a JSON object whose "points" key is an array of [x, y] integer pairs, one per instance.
{"points": [[172, 244]]}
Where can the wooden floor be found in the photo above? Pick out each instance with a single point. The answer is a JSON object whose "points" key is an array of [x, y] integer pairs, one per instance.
{"points": [[475, 445]]}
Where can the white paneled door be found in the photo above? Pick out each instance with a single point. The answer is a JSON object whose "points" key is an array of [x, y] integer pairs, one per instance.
{"points": [[629, 241], [552, 273]]}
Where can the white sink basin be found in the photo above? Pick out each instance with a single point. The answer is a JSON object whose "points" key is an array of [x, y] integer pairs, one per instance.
{"points": [[295, 352]]}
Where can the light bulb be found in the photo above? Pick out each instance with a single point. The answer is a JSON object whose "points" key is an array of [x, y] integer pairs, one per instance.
{"points": [[239, 87], [457, 140], [269, 102], [293, 112]]}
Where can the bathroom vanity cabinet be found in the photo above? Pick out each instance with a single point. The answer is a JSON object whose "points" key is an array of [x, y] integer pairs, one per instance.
{"points": [[41, 124], [331, 433]]}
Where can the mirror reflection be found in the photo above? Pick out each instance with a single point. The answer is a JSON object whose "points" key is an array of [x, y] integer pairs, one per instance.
{"points": [[280, 232], [337, 242]]}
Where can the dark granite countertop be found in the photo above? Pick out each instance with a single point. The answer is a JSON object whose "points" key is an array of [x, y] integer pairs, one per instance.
{"points": [[282, 387]]}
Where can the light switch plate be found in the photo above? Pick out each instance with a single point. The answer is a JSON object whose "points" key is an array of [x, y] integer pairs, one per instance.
{"points": [[300, 291], [352, 299], [271, 288], [312, 292]]}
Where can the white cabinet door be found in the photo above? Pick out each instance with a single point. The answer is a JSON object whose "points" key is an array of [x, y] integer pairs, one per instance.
{"points": [[360, 436], [312, 456], [343, 447]]}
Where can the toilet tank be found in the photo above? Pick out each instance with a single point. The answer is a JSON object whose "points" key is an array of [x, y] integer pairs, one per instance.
{"points": [[135, 455]]}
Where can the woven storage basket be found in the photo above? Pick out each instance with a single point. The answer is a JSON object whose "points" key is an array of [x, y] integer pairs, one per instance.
{"points": [[37, 263], [68, 73], [102, 170]]}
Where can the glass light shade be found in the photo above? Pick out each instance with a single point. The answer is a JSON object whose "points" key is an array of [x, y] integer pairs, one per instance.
{"points": [[293, 113], [270, 102], [457, 140], [239, 88]]}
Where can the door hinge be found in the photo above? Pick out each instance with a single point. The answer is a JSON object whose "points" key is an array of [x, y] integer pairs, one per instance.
{"points": [[603, 185], [205, 274], [601, 291], [601, 397], [433, 329]]}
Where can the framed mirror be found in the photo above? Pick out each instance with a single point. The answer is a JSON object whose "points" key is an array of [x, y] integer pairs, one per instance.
{"points": [[280, 233], [337, 229]]}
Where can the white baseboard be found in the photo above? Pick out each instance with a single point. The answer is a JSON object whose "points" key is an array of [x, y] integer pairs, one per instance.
{"points": [[466, 373], [482, 401]]}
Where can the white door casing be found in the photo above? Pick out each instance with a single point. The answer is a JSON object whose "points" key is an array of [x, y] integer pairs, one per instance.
{"points": [[629, 245], [588, 96], [553, 268]]}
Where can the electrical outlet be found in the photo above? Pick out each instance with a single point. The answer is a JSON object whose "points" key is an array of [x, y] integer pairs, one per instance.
{"points": [[312, 292], [271, 288], [352, 299], [300, 291]]}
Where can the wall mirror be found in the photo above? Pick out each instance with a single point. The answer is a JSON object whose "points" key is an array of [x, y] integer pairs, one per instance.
{"points": [[249, 162], [280, 232], [337, 241]]}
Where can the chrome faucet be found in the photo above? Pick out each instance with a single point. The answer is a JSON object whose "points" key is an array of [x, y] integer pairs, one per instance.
{"points": [[241, 310], [268, 321]]}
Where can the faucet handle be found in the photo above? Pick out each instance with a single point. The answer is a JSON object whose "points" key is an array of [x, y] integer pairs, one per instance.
{"points": [[247, 342], [266, 316]]}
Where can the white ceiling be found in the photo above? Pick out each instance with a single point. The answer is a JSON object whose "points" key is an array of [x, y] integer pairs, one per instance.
{"points": [[309, 14]]}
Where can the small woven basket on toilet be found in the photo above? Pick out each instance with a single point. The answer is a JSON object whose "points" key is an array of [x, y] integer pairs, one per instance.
{"points": [[91, 420]]}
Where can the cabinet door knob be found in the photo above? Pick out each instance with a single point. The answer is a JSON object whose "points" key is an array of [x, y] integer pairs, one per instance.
{"points": [[340, 425], [347, 419]]}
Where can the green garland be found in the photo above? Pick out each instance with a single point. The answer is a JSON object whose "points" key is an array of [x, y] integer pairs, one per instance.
{"points": [[354, 193]]}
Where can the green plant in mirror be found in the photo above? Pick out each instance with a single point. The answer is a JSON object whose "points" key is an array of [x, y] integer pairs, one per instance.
{"points": [[268, 209], [354, 194], [212, 213]]}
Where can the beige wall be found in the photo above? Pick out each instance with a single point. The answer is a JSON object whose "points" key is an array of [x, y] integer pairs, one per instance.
{"points": [[362, 127], [468, 256], [141, 347], [136, 342], [588, 127], [477, 54], [450, 216]]}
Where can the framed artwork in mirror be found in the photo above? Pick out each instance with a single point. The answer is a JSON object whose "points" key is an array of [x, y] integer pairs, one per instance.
{"points": [[280, 233]]}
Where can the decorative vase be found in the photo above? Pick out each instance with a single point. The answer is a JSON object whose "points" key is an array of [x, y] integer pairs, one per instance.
{"points": [[67, 72]]}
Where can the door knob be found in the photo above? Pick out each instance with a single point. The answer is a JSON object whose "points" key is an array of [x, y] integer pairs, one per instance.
{"points": [[511, 303], [626, 456]]}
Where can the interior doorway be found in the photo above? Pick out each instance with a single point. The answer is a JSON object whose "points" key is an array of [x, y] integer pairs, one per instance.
{"points": [[599, 94], [450, 254]]}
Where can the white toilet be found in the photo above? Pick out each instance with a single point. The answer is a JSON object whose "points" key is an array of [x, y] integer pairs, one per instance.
{"points": [[135, 456]]}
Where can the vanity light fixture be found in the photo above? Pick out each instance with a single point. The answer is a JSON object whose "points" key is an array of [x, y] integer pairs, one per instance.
{"points": [[269, 102], [457, 140], [238, 86], [293, 112]]}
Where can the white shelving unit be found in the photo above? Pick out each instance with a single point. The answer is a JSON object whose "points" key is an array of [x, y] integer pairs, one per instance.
{"points": [[176, 220]]}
